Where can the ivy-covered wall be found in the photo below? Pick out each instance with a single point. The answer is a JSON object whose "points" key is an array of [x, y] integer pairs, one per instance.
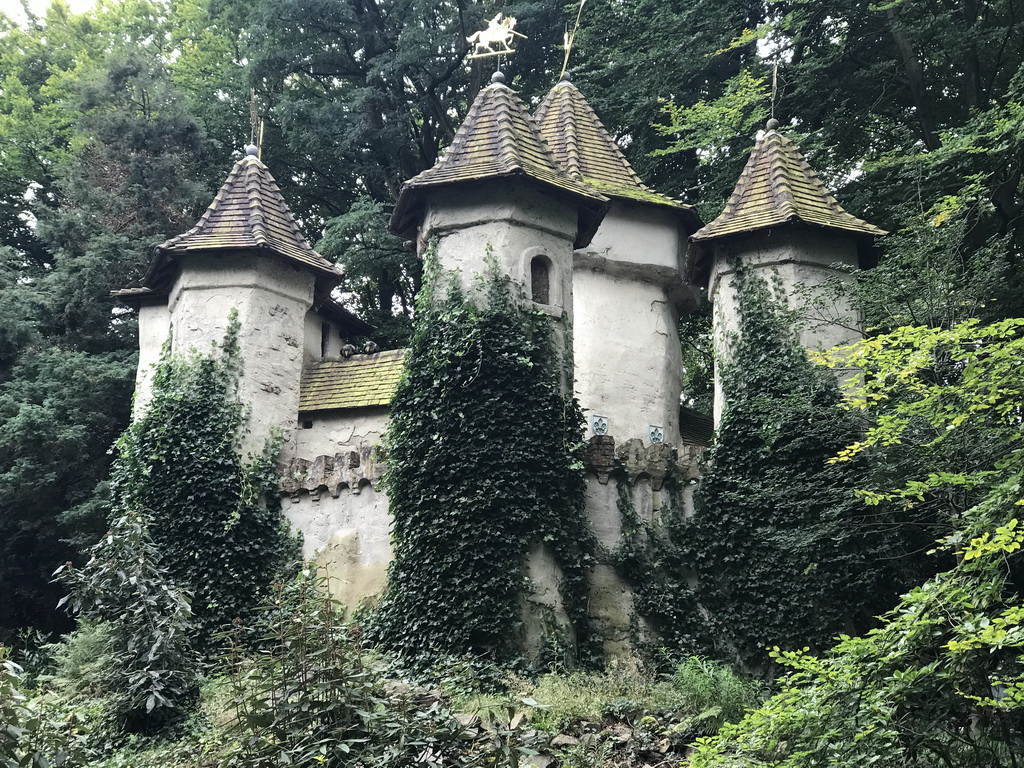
{"points": [[484, 465]]}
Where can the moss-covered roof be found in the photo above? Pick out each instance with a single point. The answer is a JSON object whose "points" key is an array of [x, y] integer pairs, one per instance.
{"points": [[498, 139], [361, 381], [777, 187], [586, 151], [249, 212]]}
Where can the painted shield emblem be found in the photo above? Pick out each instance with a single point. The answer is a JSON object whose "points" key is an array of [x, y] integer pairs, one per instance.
{"points": [[599, 424], [656, 433]]}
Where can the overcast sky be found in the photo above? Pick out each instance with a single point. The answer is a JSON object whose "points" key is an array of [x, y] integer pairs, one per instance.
{"points": [[13, 8]]}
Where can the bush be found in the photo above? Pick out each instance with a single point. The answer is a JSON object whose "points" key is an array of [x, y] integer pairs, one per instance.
{"points": [[34, 732]]}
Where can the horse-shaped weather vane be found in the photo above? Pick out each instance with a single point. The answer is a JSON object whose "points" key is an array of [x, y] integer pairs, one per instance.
{"points": [[500, 32]]}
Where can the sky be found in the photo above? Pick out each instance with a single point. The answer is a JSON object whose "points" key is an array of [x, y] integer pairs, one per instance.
{"points": [[13, 8]]}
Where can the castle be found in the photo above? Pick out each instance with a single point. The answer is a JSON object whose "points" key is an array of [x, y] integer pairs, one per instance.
{"points": [[553, 200]]}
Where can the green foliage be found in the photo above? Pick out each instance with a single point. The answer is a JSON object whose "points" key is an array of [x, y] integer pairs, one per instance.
{"points": [[379, 269], [784, 551], [939, 683], [33, 732], [484, 463], [215, 519], [695, 697], [313, 697], [152, 672]]}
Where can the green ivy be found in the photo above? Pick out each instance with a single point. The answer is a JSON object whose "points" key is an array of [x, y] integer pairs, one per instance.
{"points": [[485, 461], [785, 552], [215, 519]]}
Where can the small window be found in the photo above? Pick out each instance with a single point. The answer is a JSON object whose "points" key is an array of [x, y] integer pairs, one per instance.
{"points": [[540, 279], [325, 338], [307, 423]]}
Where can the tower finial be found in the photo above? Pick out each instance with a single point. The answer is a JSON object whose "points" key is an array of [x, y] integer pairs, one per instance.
{"points": [[251, 150], [569, 38], [498, 77], [772, 124]]}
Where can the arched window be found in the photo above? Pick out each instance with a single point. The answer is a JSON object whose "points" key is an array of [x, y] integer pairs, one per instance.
{"points": [[540, 279]]}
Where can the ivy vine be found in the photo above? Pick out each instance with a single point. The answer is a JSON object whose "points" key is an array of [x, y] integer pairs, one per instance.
{"points": [[214, 518], [485, 461], [780, 550]]}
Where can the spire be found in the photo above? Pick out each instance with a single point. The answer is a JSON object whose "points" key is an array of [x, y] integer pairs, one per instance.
{"points": [[587, 153], [249, 212], [498, 140], [779, 187]]}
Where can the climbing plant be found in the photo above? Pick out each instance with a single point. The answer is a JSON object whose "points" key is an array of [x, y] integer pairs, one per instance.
{"points": [[484, 463], [785, 552], [214, 518]]}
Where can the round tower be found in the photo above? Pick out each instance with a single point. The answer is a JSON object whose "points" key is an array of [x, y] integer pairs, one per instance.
{"points": [[246, 253], [497, 193], [784, 224]]}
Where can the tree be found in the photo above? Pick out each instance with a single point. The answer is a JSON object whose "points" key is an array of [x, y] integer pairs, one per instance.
{"points": [[941, 681]]}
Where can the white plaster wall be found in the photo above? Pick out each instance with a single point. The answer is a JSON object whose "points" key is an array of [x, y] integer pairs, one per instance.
{"points": [[154, 331], [627, 358], [338, 431], [313, 337], [272, 299], [627, 295], [509, 222], [349, 536], [788, 258]]}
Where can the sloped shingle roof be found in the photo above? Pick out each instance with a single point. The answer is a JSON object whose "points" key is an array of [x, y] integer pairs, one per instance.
{"points": [[778, 186], [361, 381], [249, 212], [498, 139], [586, 151]]}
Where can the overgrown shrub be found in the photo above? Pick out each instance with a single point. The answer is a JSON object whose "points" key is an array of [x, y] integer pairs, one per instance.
{"points": [[152, 671], [215, 519], [35, 732], [696, 697], [314, 697]]}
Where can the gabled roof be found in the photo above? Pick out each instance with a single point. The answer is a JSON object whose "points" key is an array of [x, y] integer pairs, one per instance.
{"points": [[498, 139], [361, 381], [778, 187], [586, 151], [249, 213]]}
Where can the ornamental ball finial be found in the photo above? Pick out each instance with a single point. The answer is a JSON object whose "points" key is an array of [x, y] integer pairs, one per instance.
{"points": [[498, 77], [566, 78], [252, 150], [772, 124]]}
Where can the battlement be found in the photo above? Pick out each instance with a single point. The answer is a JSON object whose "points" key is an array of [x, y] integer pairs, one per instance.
{"points": [[633, 460]]}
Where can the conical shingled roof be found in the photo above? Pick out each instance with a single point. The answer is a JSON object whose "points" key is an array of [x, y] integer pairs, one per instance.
{"points": [[777, 187], [498, 139], [586, 151], [248, 213]]}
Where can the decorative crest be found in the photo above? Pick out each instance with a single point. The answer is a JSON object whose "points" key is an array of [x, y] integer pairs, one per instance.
{"points": [[496, 39]]}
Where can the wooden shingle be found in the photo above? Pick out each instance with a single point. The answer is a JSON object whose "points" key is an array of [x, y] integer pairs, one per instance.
{"points": [[778, 186], [586, 151], [498, 139], [361, 381]]}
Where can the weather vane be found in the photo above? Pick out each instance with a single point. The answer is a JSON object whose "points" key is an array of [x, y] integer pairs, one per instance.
{"points": [[496, 39], [256, 122]]}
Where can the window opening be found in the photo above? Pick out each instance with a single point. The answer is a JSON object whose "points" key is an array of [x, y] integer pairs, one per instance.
{"points": [[540, 280]]}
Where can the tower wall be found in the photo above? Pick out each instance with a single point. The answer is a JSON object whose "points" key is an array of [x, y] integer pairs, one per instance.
{"points": [[787, 259], [154, 332], [628, 293], [272, 299], [511, 223]]}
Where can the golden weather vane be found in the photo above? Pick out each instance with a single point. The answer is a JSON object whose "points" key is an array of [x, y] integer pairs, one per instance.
{"points": [[569, 38], [496, 39], [256, 124]]}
